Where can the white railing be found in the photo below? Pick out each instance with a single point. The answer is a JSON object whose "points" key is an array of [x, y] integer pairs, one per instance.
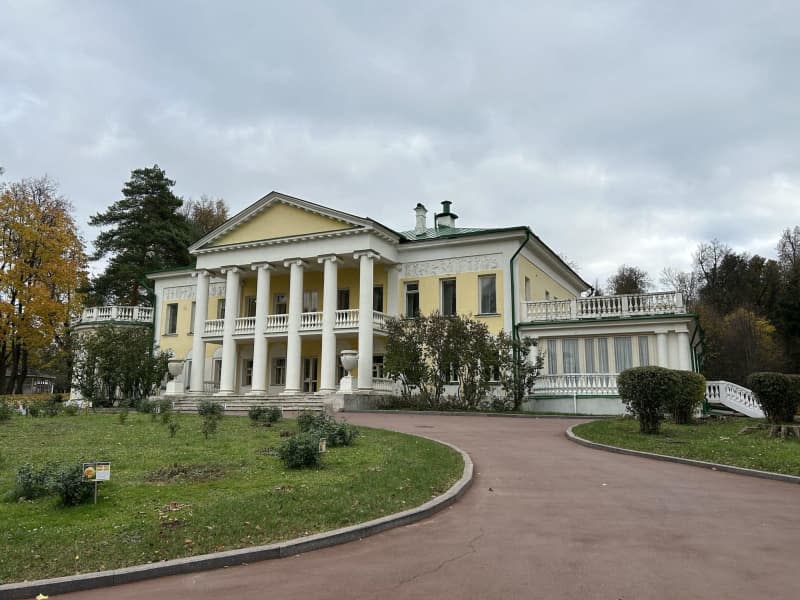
{"points": [[214, 327], [735, 397], [378, 320], [383, 385], [346, 319], [599, 307], [277, 323], [244, 325], [310, 321], [579, 384], [141, 314]]}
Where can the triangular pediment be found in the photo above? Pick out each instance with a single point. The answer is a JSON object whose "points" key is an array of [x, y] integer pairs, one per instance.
{"points": [[277, 216]]}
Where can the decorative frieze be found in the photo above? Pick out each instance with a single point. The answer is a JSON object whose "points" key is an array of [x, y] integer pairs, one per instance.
{"points": [[189, 292], [452, 266]]}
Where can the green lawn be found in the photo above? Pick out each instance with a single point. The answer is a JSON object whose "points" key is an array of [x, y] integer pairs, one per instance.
{"points": [[711, 440], [247, 499]]}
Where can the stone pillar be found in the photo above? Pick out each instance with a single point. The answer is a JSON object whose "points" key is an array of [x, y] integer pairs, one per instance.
{"points": [[198, 345], [293, 341], [329, 358], [365, 322], [393, 289], [227, 377], [259, 387], [661, 349], [684, 357]]}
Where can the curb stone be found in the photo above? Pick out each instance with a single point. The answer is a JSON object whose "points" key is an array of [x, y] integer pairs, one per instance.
{"points": [[229, 558], [466, 413], [572, 436]]}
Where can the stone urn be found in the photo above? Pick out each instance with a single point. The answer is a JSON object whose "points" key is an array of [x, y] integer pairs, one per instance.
{"points": [[175, 366], [349, 360]]}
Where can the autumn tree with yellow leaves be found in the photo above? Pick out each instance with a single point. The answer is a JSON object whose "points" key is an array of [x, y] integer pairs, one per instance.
{"points": [[42, 269]]}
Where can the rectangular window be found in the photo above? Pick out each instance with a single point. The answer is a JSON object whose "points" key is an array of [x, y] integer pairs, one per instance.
{"points": [[377, 298], [216, 371], [310, 301], [377, 366], [221, 308], [191, 318], [487, 286], [172, 319], [588, 350], [412, 299], [448, 297], [552, 357], [247, 372], [623, 354], [602, 354], [278, 371], [527, 289], [569, 353], [281, 305], [343, 299], [250, 306], [644, 351]]}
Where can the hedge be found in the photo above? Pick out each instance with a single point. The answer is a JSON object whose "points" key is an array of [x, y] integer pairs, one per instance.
{"points": [[649, 392], [777, 393]]}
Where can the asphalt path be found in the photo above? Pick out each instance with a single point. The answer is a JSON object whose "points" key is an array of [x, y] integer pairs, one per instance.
{"points": [[545, 518]]}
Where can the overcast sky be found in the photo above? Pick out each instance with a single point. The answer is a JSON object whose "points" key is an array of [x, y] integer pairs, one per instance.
{"points": [[621, 132]]}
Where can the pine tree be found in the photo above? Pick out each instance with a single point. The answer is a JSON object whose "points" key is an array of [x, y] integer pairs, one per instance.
{"points": [[145, 232]]}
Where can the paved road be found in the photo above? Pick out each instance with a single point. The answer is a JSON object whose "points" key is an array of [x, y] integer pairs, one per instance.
{"points": [[545, 518]]}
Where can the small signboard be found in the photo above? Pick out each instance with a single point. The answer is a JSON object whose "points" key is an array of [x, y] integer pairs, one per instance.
{"points": [[95, 472]]}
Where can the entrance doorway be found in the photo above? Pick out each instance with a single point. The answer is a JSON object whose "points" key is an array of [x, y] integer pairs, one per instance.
{"points": [[310, 374]]}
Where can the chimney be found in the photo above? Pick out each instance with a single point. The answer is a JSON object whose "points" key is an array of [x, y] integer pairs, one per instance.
{"points": [[422, 214], [446, 218]]}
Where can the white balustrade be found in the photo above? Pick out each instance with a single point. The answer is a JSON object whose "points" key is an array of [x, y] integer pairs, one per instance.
{"points": [[378, 319], [310, 321], [735, 397], [598, 307], [244, 325], [141, 314], [214, 327], [383, 385], [346, 319], [580, 384], [277, 323]]}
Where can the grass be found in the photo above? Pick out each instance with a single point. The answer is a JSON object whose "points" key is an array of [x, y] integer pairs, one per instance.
{"points": [[710, 440], [175, 497]]}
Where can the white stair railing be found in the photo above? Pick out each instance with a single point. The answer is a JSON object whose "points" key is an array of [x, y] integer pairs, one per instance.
{"points": [[735, 397]]}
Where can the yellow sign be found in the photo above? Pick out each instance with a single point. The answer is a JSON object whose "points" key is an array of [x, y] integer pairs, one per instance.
{"points": [[97, 471]]}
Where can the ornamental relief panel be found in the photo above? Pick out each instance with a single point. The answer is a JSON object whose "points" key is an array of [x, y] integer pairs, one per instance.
{"points": [[452, 266], [189, 292]]}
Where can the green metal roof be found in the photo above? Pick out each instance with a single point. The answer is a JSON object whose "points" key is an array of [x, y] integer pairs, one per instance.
{"points": [[449, 232]]}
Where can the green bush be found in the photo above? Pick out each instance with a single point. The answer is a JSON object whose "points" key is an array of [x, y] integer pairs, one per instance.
{"points": [[265, 415], [35, 408], [777, 393], [306, 420], [300, 451], [71, 410], [69, 485], [647, 392], [321, 425], [5, 412], [211, 413], [689, 397], [31, 482]]}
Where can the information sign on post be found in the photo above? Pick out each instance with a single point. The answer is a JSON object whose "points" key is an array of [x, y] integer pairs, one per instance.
{"points": [[95, 472]]}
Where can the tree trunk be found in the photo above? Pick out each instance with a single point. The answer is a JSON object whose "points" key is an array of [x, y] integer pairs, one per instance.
{"points": [[12, 377], [23, 371]]}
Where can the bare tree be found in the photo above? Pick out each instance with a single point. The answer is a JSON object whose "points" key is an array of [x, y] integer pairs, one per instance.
{"points": [[629, 280], [687, 283]]}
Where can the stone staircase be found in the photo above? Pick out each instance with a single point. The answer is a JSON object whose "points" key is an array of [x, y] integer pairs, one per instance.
{"points": [[241, 404], [734, 397]]}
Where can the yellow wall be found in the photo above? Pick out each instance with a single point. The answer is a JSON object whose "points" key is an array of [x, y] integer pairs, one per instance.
{"points": [[467, 300], [280, 220], [181, 342], [540, 282]]}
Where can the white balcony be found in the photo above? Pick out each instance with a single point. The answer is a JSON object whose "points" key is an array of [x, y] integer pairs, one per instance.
{"points": [[604, 307], [123, 314], [279, 324]]}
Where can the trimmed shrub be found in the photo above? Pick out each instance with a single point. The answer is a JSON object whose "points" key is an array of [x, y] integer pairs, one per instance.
{"points": [[647, 392], [689, 397], [321, 425], [300, 451], [70, 487], [5, 412], [71, 410], [777, 393], [265, 415]]}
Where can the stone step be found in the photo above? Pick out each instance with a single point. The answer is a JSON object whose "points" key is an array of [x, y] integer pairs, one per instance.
{"points": [[241, 404]]}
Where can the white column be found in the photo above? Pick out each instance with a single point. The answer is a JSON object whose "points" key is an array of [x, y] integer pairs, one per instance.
{"points": [[329, 359], [293, 342], [198, 345], [365, 283], [393, 289], [661, 349], [228, 372], [259, 387], [684, 357]]}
